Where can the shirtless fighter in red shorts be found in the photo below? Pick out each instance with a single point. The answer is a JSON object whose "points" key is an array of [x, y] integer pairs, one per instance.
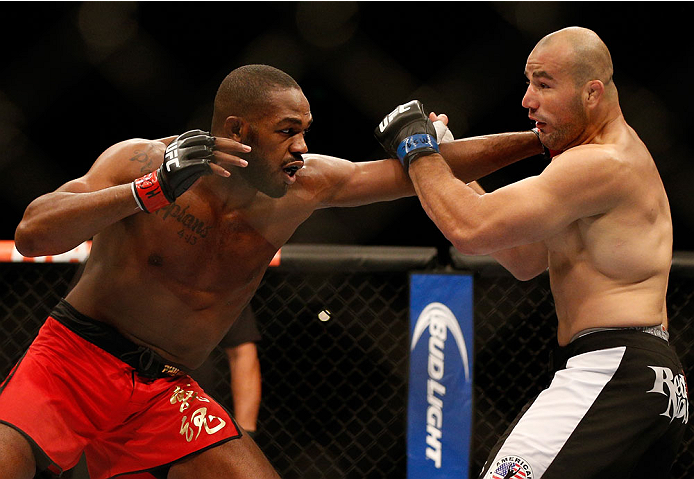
{"points": [[184, 228]]}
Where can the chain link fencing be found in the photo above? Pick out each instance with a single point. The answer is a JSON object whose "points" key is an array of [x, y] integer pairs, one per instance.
{"points": [[334, 353]]}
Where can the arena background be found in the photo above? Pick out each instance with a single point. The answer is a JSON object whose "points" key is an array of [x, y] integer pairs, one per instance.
{"points": [[78, 77]]}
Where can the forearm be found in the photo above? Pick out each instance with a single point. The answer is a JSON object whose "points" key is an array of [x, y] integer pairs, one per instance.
{"points": [[476, 157], [59, 221], [449, 202], [245, 385], [246, 405], [385, 180], [440, 173]]}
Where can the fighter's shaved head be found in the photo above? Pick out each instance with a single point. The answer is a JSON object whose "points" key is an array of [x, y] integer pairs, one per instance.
{"points": [[587, 55], [246, 90]]}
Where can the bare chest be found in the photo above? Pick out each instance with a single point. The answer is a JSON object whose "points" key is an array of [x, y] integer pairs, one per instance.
{"points": [[192, 246]]}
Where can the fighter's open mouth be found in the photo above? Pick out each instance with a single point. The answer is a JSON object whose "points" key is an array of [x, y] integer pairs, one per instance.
{"points": [[291, 170]]}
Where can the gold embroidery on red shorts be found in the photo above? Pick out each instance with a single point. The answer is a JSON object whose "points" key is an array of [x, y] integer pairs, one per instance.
{"points": [[183, 396], [199, 419]]}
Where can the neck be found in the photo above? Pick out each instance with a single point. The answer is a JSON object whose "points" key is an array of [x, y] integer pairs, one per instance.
{"points": [[229, 193], [605, 123], [599, 124]]}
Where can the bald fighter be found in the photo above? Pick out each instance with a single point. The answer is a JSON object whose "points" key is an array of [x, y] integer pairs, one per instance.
{"points": [[184, 228], [598, 218]]}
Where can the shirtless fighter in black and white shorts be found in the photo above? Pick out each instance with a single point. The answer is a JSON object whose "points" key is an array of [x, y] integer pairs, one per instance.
{"points": [[598, 218]]}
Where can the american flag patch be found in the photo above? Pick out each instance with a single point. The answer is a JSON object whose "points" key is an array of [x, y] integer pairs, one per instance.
{"points": [[511, 467]]}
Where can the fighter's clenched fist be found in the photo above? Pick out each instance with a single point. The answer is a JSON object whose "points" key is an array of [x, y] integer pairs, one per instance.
{"points": [[407, 133]]}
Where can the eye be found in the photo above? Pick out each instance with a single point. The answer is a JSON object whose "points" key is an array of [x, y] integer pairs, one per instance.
{"points": [[294, 131], [537, 85]]}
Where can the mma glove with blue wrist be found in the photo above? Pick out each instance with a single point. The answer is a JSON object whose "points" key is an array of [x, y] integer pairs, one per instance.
{"points": [[407, 133], [186, 159]]}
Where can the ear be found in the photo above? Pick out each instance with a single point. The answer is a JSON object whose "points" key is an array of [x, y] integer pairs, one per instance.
{"points": [[235, 127], [595, 89]]}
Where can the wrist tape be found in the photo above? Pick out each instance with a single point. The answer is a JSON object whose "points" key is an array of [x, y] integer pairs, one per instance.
{"points": [[148, 193], [416, 142]]}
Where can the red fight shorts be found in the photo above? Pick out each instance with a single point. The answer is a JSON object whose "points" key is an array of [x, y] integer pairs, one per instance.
{"points": [[68, 396]]}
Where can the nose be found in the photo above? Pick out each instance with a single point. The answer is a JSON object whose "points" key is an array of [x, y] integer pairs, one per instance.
{"points": [[529, 99], [299, 144]]}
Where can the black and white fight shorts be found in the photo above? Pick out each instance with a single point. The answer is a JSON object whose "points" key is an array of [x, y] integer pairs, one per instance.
{"points": [[617, 407]]}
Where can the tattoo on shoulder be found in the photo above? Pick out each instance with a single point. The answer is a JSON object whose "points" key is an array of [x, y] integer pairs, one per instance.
{"points": [[143, 158]]}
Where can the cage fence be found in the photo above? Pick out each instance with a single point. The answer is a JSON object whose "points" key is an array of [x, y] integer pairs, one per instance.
{"points": [[334, 353]]}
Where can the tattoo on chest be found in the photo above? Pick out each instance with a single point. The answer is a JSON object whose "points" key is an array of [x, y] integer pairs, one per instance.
{"points": [[192, 226], [143, 158]]}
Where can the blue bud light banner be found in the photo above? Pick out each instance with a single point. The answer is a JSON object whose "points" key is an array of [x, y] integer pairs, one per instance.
{"points": [[439, 416]]}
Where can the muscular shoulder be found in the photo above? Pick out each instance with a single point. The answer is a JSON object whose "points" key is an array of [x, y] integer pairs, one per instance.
{"points": [[609, 155], [594, 163], [619, 152], [590, 179], [137, 153], [127, 160], [120, 163]]}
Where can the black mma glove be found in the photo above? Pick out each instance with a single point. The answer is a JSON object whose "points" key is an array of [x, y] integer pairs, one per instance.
{"points": [[407, 133], [187, 158]]}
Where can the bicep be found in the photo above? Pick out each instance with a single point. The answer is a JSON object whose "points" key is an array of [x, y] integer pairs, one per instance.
{"points": [[524, 262], [356, 184], [539, 207], [523, 212]]}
